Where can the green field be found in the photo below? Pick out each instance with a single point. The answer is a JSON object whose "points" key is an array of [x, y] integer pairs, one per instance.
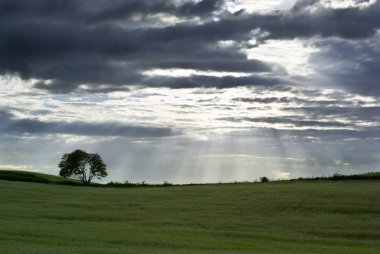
{"points": [[276, 217]]}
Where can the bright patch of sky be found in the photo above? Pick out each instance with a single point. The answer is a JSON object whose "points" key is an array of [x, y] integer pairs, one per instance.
{"points": [[283, 175], [270, 6], [347, 3], [16, 167], [292, 55], [190, 72], [260, 6]]}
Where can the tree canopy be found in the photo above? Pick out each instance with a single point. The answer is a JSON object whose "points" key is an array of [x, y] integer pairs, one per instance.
{"points": [[82, 165]]}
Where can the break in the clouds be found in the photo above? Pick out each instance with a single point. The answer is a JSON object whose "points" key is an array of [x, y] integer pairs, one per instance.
{"points": [[190, 90]]}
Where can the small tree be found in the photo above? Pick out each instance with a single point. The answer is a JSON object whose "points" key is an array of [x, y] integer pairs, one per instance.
{"points": [[264, 179], [82, 165]]}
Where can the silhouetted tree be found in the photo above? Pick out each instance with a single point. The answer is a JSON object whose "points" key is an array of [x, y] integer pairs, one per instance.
{"points": [[264, 179], [82, 165]]}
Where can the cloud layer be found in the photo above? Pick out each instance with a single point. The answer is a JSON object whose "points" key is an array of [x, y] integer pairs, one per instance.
{"points": [[102, 46], [13, 126]]}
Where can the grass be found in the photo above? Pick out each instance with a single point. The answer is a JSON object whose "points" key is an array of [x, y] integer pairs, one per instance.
{"points": [[25, 176], [275, 217]]}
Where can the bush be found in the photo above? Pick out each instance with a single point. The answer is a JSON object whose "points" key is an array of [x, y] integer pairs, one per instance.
{"points": [[336, 176], [264, 179], [167, 184]]}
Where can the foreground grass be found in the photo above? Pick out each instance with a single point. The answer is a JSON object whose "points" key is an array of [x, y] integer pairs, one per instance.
{"points": [[282, 217]]}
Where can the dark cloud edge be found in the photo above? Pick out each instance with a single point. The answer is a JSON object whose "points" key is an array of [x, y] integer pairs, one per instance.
{"points": [[13, 126]]}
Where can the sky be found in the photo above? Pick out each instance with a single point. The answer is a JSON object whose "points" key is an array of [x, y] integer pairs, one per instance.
{"points": [[192, 91]]}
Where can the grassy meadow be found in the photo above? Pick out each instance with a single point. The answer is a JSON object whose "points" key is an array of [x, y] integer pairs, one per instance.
{"points": [[275, 217]]}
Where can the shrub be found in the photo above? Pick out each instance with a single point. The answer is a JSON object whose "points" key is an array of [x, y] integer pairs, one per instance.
{"points": [[337, 176], [166, 184]]}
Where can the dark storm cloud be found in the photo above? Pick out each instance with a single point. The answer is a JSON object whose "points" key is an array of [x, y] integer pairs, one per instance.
{"points": [[13, 126], [348, 23], [107, 45], [69, 55], [216, 62], [353, 65], [210, 81], [96, 11], [122, 10]]}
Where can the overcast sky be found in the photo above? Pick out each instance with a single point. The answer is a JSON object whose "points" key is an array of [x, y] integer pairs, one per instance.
{"points": [[192, 91]]}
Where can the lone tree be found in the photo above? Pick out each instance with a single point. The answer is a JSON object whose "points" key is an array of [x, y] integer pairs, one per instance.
{"points": [[82, 165]]}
